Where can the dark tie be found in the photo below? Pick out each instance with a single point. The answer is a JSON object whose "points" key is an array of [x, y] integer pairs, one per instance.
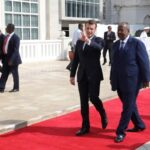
{"points": [[121, 46]]}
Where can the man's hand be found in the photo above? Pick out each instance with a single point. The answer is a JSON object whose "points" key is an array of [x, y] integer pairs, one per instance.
{"points": [[84, 38], [145, 84], [72, 80]]}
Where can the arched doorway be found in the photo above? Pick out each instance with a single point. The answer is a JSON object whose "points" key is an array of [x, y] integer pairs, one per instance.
{"points": [[146, 20]]}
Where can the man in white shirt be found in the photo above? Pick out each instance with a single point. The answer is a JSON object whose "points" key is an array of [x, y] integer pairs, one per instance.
{"points": [[76, 36]]}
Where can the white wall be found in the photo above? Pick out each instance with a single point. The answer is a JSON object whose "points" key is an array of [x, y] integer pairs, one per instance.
{"points": [[133, 11], [54, 22], [2, 21], [42, 18]]}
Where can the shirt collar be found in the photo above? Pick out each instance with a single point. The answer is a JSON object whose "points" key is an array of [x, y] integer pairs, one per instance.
{"points": [[91, 37], [125, 40], [11, 34]]}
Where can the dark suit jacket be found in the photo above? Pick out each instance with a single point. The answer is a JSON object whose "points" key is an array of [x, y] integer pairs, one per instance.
{"points": [[109, 39], [2, 36], [131, 67], [111, 36], [88, 60], [13, 54]]}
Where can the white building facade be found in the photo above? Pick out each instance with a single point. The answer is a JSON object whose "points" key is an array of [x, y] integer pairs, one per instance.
{"points": [[132, 11], [45, 19], [39, 23]]}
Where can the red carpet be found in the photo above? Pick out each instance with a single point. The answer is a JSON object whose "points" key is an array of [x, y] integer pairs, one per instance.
{"points": [[58, 133]]}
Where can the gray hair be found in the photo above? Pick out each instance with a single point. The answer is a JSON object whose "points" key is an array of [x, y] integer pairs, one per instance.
{"points": [[125, 24]]}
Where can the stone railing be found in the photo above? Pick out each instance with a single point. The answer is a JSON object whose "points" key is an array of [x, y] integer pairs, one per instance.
{"points": [[48, 50], [36, 50]]}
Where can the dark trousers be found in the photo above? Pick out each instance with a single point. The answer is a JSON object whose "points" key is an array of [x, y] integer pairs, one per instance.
{"points": [[89, 90], [108, 48], [130, 111], [5, 73]]}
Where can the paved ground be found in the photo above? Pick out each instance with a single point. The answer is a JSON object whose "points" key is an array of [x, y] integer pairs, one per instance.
{"points": [[45, 92]]}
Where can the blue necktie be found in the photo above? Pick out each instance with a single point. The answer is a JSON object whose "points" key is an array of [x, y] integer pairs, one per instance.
{"points": [[121, 46]]}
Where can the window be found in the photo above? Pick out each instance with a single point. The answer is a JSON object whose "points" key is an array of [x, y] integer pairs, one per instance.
{"points": [[34, 32], [34, 21], [82, 8], [17, 7], [8, 5], [26, 7], [34, 8], [8, 18], [17, 20], [26, 20], [24, 15], [26, 33]]}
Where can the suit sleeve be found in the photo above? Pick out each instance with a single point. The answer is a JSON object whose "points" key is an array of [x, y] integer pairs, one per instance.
{"points": [[75, 61], [97, 44], [15, 49], [143, 61]]}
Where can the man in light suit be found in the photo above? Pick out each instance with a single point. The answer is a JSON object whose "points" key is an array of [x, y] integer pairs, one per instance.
{"points": [[130, 71], [11, 58], [89, 76], [109, 37]]}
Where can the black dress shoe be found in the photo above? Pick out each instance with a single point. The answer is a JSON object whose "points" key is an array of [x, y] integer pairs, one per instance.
{"points": [[135, 129], [14, 90], [119, 138], [82, 131], [104, 123]]}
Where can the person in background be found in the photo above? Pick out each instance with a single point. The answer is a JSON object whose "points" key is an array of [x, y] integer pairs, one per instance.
{"points": [[76, 36], [144, 38], [109, 37], [11, 58], [2, 36], [130, 70], [89, 76]]}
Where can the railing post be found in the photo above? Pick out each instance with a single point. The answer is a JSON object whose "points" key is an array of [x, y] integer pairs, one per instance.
{"points": [[65, 45]]}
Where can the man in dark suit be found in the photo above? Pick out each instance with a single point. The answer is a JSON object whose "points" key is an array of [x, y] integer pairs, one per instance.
{"points": [[130, 71], [11, 58], [89, 76], [109, 37], [2, 36]]}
